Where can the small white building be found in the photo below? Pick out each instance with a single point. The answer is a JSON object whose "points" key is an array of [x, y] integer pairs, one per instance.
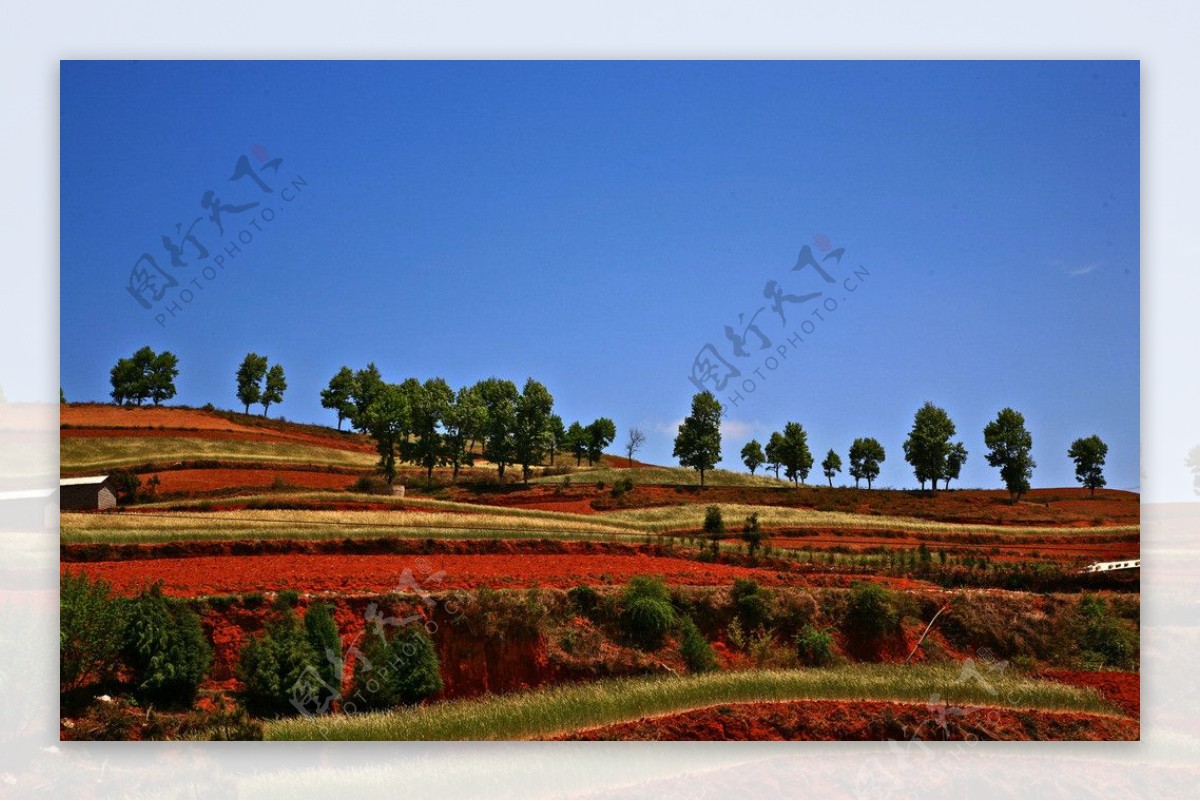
{"points": [[88, 492]]}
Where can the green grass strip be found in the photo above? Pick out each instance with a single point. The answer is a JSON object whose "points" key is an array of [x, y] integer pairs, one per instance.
{"points": [[572, 707]]}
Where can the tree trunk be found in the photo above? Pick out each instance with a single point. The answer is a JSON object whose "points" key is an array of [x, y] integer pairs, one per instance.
{"points": [[830, 481], [868, 483], [701, 476]]}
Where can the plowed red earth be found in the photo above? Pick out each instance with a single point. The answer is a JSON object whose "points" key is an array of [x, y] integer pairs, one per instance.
{"points": [[234, 478], [864, 720], [218, 575], [1121, 689], [1092, 552]]}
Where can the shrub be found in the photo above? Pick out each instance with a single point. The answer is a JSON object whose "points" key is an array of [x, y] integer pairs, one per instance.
{"points": [[1104, 640], [285, 599], [695, 650], [90, 627], [622, 486], [583, 598], [396, 671], [372, 484], [647, 615], [814, 646], [752, 534], [751, 603], [126, 485], [872, 611], [165, 646], [323, 636], [713, 522], [277, 666]]}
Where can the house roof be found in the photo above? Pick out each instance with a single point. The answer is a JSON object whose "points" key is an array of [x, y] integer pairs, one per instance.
{"points": [[74, 482]]}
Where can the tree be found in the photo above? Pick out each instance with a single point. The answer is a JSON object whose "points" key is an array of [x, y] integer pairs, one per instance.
{"points": [[955, 460], [403, 670], [124, 377], [865, 455], [794, 454], [276, 386], [634, 443], [752, 455], [698, 444], [1089, 454], [558, 436], [276, 666], [91, 622], [368, 385], [339, 396], [600, 433], [464, 422], [163, 368], [1009, 444], [928, 444], [500, 399], [577, 442], [429, 403], [774, 451], [249, 379], [831, 464], [165, 648], [387, 421], [531, 433]]}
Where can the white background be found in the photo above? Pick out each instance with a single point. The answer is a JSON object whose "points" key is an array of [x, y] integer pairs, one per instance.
{"points": [[34, 36]]}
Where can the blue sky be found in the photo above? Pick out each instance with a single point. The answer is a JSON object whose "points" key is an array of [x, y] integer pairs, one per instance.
{"points": [[595, 224]]}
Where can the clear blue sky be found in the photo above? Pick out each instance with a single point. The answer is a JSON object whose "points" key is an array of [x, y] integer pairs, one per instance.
{"points": [[595, 224]]}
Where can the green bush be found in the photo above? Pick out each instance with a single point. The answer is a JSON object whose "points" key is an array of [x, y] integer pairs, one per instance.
{"points": [[695, 650], [814, 646], [91, 623], [584, 599], [713, 522], [872, 611], [402, 670], [751, 603], [285, 599], [1105, 641], [323, 636], [165, 646], [752, 534], [647, 615], [275, 666]]}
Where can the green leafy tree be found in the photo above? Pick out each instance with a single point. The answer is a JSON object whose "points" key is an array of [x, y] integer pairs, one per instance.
{"points": [[1009, 444], [774, 452], [557, 436], [165, 647], [647, 615], [698, 444], [323, 636], [955, 460], [601, 433], [794, 454], [500, 398], [865, 456], [464, 424], [696, 651], [124, 378], [387, 421], [250, 377], [368, 385], [831, 464], [752, 455], [577, 442], [160, 377], [91, 623], [531, 433], [429, 405], [1089, 454], [276, 386], [928, 445], [339, 395]]}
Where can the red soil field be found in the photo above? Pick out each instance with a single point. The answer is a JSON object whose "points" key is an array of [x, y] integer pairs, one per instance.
{"points": [[218, 575], [1056, 552], [864, 720], [193, 480], [95, 420], [1122, 689]]}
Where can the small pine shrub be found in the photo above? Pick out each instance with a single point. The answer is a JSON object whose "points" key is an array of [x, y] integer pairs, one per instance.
{"points": [[751, 602], [713, 522], [286, 599], [402, 670], [323, 636], [372, 484], [583, 598], [872, 612], [1105, 642], [277, 666], [91, 623], [647, 615], [814, 646], [165, 646], [695, 650]]}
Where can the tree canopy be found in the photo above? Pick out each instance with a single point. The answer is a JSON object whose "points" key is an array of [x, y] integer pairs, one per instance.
{"points": [[1089, 454], [1009, 444], [698, 444], [865, 456], [928, 445]]}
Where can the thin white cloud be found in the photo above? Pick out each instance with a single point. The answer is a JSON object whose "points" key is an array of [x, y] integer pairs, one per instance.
{"points": [[732, 429], [1084, 270]]}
